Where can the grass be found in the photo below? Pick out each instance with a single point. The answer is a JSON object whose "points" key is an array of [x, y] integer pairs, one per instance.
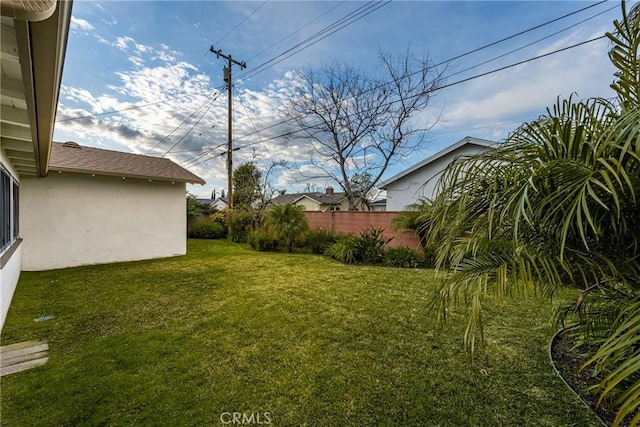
{"points": [[307, 340]]}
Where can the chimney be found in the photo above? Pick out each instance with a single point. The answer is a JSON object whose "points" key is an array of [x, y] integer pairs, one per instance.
{"points": [[329, 191]]}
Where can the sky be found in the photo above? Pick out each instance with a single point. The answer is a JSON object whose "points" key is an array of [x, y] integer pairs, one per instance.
{"points": [[139, 76]]}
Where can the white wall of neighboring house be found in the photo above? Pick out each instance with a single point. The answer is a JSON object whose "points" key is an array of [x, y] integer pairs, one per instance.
{"points": [[423, 182], [11, 265], [308, 204], [72, 219]]}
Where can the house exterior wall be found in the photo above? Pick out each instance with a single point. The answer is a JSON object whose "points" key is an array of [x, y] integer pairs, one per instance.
{"points": [[11, 264], [71, 219], [423, 182], [9, 276], [308, 204], [354, 222]]}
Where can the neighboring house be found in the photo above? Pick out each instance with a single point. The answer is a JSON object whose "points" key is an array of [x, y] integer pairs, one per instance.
{"points": [[379, 205], [65, 205], [326, 201], [219, 203], [421, 180]]}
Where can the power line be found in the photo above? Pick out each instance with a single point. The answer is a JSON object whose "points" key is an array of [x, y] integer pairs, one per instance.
{"points": [[520, 63], [315, 35], [296, 31], [135, 107], [242, 22], [455, 83], [479, 49], [183, 123], [534, 42], [343, 22], [522, 32], [254, 126], [192, 127]]}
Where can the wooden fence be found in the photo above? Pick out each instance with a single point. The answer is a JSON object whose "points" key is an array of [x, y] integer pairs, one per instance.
{"points": [[353, 222]]}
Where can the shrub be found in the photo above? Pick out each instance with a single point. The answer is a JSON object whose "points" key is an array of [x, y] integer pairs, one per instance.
{"points": [[207, 230], [318, 240], [288, 223], [239, 223], [344, 250], [262, 241], [370, 245], [402, 257]]}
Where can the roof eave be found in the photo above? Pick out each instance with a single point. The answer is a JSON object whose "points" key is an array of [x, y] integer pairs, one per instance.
{"points": [[128, 175], [466, 140], [42, 46]]}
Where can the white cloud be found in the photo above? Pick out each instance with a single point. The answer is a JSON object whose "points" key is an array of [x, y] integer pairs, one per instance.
{"points": [[78, 24]]}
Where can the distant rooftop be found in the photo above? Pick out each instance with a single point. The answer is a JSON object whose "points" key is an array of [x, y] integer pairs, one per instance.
{"points": [[327, 197], [72, 157]]}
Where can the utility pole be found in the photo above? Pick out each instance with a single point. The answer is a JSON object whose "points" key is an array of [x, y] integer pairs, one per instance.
{"points": [[226, 73]]}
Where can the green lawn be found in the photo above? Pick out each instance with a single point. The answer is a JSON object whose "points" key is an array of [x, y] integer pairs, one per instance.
{"points": [[182, 341]]}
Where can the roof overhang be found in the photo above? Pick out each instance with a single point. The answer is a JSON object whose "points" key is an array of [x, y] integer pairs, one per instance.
{"points": [[143, 177], [34, 40]]}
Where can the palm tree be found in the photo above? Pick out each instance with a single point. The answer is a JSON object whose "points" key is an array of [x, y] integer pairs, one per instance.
{"points": [[287, 222], [557, 204]]}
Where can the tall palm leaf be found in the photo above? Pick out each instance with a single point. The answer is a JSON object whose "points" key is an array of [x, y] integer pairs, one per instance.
{"points": [[557, 204]]}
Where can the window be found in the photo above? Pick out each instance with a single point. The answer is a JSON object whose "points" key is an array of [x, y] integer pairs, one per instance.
{"points": [[9, 208], [16, 211]]}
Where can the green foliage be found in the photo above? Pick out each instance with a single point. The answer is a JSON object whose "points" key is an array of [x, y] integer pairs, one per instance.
{"points": [[402, 257], [419, 217], [370, 245], [246, 186], [556, 205], [195, 209], [239, 223], [319, 239], [367, 248], [263, 241], [207, 230], [288, 223], [344, 250]]}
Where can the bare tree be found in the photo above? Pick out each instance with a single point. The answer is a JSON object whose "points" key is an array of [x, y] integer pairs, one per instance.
{"points": [[359, 124], [269, 190]]}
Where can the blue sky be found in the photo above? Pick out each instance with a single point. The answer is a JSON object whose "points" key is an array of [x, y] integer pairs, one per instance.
{"points": [[125, 54]]}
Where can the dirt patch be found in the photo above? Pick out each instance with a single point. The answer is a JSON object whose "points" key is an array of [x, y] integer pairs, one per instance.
{"points": [[568, 362]]}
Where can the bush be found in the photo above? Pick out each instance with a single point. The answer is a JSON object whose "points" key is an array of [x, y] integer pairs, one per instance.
{"points": [[370, 245], [262, 241], [402, 257], [239, 223], [318, 240], [288, 223], [344, 250], [207, 230]]}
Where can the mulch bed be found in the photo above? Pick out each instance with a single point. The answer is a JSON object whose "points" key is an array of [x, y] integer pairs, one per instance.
{"points": [[568, 362]]}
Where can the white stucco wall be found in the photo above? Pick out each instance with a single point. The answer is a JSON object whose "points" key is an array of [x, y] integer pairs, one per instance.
{"points": [[10, 270], [9, 275], [68, 220], [422, 183]]}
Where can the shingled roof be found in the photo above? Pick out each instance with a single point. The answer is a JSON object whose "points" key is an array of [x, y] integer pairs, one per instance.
{"points": [[322, 198], [72, 157]]}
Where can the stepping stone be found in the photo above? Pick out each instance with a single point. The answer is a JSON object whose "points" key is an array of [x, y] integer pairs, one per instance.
{"points": [[22, 356]]}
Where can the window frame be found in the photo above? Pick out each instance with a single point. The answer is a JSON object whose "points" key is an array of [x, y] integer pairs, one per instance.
{"points": [[10, 209]]}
